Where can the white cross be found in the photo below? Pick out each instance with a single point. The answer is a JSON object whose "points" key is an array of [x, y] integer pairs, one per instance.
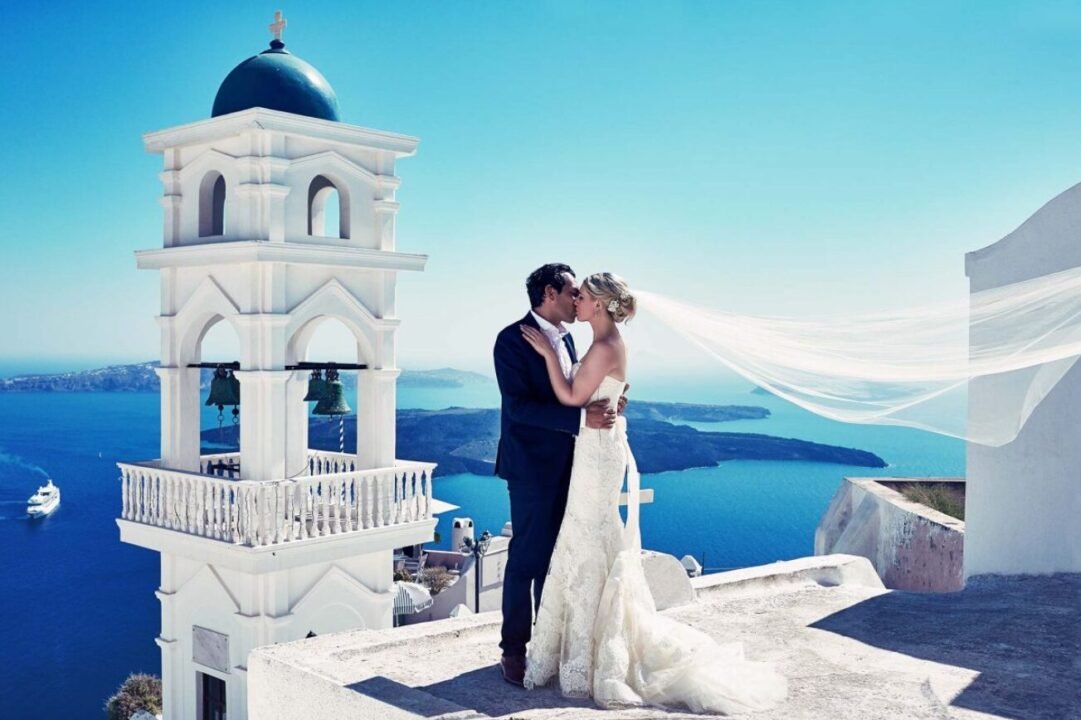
{"points": [[278, 25], [645, 497]]}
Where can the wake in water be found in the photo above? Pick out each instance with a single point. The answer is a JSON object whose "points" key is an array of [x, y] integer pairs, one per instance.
{"points": [[15, 461], [7, 458]]}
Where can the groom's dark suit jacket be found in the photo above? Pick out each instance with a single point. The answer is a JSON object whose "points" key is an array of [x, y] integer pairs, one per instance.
{"points": [[536, 438]]}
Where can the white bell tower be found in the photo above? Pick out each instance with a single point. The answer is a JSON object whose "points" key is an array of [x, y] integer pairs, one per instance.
{"points": [[276, 541]]}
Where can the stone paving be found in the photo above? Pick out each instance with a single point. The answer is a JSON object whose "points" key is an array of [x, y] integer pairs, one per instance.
{"points": [[1001, 648]]}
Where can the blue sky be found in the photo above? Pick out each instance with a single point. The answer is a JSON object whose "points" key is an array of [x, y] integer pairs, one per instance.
{"points": [[768, 158]]}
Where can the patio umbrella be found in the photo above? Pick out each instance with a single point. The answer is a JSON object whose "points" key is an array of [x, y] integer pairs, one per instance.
{"points": [[412, 598]]}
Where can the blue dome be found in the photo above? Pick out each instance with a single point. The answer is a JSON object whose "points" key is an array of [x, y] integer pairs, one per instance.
{"points": [[277, 80]]}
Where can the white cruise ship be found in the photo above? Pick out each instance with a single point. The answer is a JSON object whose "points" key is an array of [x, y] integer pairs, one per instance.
{"points": [[44, 501]]}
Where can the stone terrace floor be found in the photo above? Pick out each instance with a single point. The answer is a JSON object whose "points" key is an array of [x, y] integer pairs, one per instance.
{"points": [[1002, 648]]}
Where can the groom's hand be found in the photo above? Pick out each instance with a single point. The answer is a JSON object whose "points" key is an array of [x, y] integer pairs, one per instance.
{"points": [[623, 399], [599, 416]]}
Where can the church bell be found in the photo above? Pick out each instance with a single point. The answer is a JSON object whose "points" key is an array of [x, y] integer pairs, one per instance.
{"points": [[317, 387], [224, 389], [332, 401]]}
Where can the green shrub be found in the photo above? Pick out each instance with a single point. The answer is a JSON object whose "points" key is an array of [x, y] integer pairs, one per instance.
{"points": [[436, 578], [936, 497], [139, 692]]}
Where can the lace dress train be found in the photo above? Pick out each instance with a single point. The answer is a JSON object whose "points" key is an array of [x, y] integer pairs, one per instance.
{"points": [[597, 627]]}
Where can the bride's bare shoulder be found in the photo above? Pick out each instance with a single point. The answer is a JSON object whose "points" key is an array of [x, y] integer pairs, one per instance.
{"points": [[601, 351], [608, 354], [614, 344]]}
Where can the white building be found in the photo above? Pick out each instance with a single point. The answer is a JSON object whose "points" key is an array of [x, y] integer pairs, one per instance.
{"points": [[478, 585], [301, 542], [1023, 499]]}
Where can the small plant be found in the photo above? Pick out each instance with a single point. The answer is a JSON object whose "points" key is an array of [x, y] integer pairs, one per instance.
{"points": [[402, 575], [436, 578], [936, 497], [139, 692]]}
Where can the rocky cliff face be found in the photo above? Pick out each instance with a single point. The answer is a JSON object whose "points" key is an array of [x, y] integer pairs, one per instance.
{"points": [[465, 440], [116, 378], [140, 377]]}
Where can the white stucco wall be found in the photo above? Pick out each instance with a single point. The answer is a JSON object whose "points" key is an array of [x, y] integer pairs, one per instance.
{"points": [[1023, 499], [261, 597], [911, 546]]}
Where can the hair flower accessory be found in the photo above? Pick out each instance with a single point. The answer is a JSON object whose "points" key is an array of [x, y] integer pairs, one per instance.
{"points": [[613, 306]]}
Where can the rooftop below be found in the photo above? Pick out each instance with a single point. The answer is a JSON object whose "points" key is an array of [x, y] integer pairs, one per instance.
{"points": [[1002, 648]]}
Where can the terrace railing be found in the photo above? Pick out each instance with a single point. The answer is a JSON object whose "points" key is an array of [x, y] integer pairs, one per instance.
{"points": [[334, 499]]}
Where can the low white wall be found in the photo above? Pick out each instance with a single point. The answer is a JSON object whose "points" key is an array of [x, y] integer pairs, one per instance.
{"points": [[824, 570], [911, 546]]}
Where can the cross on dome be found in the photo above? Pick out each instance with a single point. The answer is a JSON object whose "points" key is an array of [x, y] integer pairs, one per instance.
{"points": [[275, 79], [278, 25]]}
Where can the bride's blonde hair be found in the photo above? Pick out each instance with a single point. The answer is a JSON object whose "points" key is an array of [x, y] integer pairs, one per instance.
{"points": [[614, 294]]}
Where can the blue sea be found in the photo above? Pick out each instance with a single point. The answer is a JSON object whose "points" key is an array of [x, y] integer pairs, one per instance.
{"points": [[80, 607]]}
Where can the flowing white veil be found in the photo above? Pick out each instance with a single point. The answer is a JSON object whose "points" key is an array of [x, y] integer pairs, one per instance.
{"points": [[1013, 343]]}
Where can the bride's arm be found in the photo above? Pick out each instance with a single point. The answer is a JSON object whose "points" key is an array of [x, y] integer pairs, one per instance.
{"points": [[595, 365]]}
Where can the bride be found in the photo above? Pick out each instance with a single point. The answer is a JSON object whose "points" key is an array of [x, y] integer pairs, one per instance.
{"points": [[597, 628]]}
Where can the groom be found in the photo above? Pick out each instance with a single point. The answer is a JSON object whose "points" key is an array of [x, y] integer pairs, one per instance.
{"points": [[536, 447]]}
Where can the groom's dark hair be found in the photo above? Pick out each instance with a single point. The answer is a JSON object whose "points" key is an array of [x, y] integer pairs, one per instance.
{"points": [[542, 277]]}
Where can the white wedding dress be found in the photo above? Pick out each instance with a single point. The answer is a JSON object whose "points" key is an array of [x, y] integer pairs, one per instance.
{"points": [[597, 628]]}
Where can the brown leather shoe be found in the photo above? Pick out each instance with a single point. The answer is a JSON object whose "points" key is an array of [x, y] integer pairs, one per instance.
{"points": [[513, 668]]}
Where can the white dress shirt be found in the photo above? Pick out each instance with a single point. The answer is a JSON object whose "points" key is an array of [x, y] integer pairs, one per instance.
{"points": [[555, 335]]}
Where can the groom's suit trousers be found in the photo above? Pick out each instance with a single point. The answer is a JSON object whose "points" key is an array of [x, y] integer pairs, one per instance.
{"points": [[536, 514]]}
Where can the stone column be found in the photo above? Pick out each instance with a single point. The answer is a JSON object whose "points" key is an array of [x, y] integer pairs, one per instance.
{"points": [[172, 199], [376, 418], [180, 402], [263, 211], [236, 695], [244, 213], [263, 439], [274, 200], [296, 423], [173, 205], [172, 680], [385, 213]]}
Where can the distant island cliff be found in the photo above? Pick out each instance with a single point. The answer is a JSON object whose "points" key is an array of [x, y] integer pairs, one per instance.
{"points": [[464, 440], [140, 377]]}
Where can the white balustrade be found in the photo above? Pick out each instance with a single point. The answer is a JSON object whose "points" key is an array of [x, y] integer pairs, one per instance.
{"points": [[335, 499], [220, 464], [322, 462]]}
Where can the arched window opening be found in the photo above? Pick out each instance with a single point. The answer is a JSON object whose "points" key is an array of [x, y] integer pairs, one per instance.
{"points": [[212, 205], [328, 210], [332, 215], [218, 435], [332, 342]]}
